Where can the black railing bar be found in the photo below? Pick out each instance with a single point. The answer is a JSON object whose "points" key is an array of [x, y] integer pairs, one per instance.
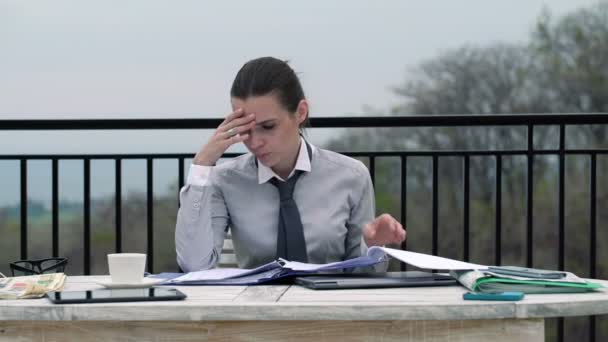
{"points": [[118, 203], [87, 216], [150, 214], [105, 156], [592, 235], [561, 197], [23, 206], [425, 153], [530, 197], [498, 213], [593, 218], [561, 216], [180, 176], [592, 335], [403, 202], [435, 207], [55, 206], [315, 122], [461, 153], [466, 199]]}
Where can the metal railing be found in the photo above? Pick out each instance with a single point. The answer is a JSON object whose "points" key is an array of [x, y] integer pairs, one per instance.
{"points": [[530, 152]]}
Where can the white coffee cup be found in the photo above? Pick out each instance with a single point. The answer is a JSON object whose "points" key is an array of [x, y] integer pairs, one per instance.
{"points": [[127, 268]]}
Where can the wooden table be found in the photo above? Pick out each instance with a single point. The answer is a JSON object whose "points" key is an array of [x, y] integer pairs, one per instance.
{"points": [[293, 313]]}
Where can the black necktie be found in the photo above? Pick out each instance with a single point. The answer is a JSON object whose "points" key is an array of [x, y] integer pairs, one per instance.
{"points": [[290, 240]]}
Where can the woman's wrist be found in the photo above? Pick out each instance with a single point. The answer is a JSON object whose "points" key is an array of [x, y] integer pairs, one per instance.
{"points": [[368, 236], [203, 160]]}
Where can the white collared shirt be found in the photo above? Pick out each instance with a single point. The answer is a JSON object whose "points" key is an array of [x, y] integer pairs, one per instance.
{"points": [[199, 174], [302, 163]]}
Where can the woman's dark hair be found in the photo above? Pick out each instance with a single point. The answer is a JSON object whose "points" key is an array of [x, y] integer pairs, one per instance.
{"points": [[268, 75]]}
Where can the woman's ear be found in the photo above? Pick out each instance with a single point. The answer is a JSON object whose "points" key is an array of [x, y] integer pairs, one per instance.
{"points": [[302, 111]]}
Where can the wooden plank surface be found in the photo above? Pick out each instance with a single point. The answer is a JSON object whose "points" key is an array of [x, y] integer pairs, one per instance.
{"points": [[281, 302], [531, 330], [256, 294], [281, 312]]}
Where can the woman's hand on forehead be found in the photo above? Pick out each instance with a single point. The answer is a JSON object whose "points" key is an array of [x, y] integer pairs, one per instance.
{"points": [[234, 129]]}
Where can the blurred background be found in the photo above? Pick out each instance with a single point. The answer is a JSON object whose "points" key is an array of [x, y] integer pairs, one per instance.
{"points": [[159, 59]]}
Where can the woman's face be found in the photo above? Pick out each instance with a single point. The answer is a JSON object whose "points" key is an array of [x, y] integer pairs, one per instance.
{"points": [[275, 138]]}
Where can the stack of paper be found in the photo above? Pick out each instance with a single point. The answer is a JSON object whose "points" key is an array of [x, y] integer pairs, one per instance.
{"points": [[488, 281], [475, 277], [283, 268]]}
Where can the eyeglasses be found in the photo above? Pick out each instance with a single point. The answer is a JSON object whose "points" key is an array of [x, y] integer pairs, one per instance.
{"points": [[40, 266]]}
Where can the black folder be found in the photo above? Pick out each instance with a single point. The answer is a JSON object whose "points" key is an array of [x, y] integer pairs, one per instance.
{"points": [[374, 280]]}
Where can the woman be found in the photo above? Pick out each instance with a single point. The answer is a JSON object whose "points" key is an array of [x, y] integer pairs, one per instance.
{"points": [[286, 198]]}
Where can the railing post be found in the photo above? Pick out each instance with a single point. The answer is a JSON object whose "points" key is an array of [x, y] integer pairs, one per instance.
{"points": [[435, 237], [150, 214], [87, 216], [403, 202], [530, 197], [498, 213], [23, 208], [466, 205], [55, 206], [118, 203]]}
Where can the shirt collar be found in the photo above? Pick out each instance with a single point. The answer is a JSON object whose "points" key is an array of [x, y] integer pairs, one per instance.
{"points": [[302, 163]]}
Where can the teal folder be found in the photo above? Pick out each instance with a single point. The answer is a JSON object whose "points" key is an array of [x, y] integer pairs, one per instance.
{"points": [[478, 281]]}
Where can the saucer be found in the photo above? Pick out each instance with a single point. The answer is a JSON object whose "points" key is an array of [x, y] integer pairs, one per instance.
{"points": [[145, 283]]}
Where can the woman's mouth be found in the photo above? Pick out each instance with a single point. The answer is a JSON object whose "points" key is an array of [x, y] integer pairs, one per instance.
{"points": [[263, 155]]}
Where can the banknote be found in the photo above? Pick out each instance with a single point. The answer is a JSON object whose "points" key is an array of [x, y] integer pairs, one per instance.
{"points": [[33, 286]]}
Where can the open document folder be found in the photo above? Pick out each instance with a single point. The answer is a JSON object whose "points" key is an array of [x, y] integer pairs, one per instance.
{"points": [[283, 268], [488, 281]]}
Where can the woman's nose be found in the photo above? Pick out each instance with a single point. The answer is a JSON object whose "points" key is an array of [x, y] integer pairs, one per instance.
{"points": [[255, 140]]}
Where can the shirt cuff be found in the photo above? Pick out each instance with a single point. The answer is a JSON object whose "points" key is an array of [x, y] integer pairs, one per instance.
{"points": [[199, 174]]}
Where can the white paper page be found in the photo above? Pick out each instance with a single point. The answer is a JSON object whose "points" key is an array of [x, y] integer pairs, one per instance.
{"points": [[362, 261], [569, 278], [429, 262], [212, 274], [225, 273], [302, 266]]}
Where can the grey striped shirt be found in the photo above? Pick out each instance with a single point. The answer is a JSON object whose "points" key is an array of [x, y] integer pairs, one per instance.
{"points": [[335, 200]]}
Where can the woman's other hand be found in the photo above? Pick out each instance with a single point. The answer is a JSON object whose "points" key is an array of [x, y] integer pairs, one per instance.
{"points": [[234, 129], [383, 230]]}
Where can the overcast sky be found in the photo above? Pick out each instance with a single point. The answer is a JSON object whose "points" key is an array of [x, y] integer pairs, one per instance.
{"points": [[171, 59], [142, 58]]}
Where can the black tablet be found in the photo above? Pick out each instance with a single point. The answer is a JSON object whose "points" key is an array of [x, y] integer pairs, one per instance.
{"points": [[115, 295]]}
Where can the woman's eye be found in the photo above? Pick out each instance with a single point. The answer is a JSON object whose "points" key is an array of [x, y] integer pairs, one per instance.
{"points": [[267, 127]]}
